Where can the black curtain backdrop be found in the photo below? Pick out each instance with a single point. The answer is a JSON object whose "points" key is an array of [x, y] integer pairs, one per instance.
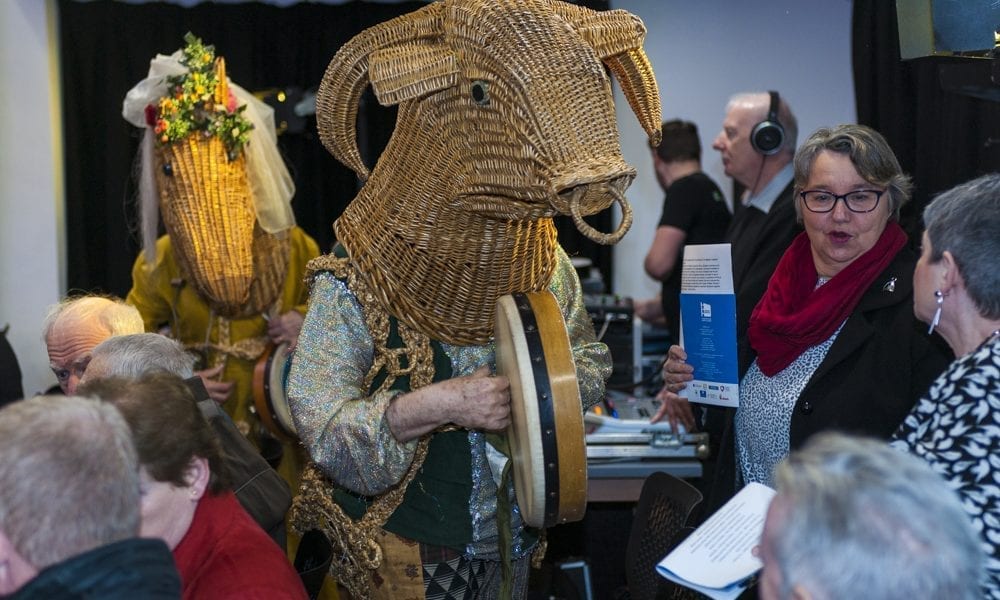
{"points": [[941, 138], [105, 49]]}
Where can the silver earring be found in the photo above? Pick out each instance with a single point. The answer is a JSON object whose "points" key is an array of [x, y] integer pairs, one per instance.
{"points": [[937, 313]]}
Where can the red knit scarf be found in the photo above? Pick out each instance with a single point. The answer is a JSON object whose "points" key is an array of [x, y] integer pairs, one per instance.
{"points": [[794, 314]]}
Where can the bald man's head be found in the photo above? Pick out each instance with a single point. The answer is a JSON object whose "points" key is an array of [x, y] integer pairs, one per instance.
{"points": [[74, 326]]}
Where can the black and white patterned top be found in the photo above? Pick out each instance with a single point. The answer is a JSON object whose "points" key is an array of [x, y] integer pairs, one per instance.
{"points": [[764, 416], [956, 428]]}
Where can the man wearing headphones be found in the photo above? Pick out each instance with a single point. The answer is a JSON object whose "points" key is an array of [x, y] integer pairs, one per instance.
{"points": [[757, 143]]}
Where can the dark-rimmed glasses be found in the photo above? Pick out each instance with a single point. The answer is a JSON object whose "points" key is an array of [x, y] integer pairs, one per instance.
{"points": [[859, 201]]}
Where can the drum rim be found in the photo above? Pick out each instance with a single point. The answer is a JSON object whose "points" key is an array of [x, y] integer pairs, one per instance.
{"points": [[560, 375]]}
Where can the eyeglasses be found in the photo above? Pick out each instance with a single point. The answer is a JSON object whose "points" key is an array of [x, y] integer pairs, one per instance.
{"points": [[860, 201]]}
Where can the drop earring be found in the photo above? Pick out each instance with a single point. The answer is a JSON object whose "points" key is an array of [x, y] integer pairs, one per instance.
{"points": [[937, 313]]}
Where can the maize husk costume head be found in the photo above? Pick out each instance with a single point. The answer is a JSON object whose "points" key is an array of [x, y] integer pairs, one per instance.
{"points": [[210, 165], [505, 120]]}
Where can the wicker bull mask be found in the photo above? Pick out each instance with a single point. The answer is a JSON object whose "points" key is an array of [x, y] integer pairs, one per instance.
{"points": [[505, 120], [224, 200]]}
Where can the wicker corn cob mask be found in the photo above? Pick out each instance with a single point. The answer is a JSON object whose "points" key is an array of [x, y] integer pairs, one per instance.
{"points": [[224, 201], [505, 120]]}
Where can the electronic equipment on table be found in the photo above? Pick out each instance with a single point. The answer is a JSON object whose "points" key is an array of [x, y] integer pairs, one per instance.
{"points": [[614, 319], [619, 429]]}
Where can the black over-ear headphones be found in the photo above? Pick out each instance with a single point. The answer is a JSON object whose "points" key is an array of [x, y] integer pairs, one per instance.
{"points": [[768, 136]]}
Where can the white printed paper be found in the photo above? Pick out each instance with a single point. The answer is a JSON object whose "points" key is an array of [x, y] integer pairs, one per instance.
{"points": [[717, 558]]}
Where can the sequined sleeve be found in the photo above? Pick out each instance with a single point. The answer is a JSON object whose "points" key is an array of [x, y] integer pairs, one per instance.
{"points": [[344, 430], [592, 358]]}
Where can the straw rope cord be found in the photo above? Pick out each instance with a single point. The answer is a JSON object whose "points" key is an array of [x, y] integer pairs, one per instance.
{"points": [[247, 349], [356, 553]]}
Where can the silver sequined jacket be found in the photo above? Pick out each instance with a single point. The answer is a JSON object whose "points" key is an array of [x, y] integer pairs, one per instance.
{"points": [[345, 430]]}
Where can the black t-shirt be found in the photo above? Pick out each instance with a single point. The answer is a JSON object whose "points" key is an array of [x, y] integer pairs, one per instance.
{"points": [[695, 205]]}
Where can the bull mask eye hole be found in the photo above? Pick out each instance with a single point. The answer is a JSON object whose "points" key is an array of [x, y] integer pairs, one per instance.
{"points": [[481, 92]]}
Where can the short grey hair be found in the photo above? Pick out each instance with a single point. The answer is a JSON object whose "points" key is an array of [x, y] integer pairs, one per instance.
{"points": [[760, 102], [965, 221], [869, 152], [117, 317], [69, 477], [864, 520], [133, 355]]}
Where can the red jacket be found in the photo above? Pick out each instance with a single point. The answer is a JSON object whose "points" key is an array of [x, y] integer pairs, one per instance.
{"points": [[225, 554]]}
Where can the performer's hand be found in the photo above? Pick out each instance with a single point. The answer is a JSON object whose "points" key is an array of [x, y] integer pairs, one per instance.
{"points": [[480, 401], [285, 328], [476, 401], [676, 374], [217, 390]]}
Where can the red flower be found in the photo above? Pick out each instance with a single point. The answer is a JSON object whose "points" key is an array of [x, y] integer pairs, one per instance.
{"points": [[150, 115]]}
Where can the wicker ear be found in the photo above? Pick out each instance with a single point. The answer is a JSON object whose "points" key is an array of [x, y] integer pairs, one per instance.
{"points": [[412, 70], [616, 37], [347, 76]]}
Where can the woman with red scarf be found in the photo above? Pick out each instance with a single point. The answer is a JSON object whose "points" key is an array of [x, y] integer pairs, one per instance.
{"points": [[833, 343]]}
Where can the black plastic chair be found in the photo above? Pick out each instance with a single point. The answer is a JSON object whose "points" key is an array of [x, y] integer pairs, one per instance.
{"points": [[659, 524]]}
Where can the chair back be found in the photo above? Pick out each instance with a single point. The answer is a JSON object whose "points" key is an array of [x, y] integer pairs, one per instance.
{"points": [[659, 524]]}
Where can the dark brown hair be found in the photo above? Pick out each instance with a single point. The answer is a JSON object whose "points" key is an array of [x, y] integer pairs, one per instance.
{"points": [[167, 426], [680, 141]]}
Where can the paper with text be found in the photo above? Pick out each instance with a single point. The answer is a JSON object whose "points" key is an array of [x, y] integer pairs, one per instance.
{"points": [[708, 325], [717, 559]]}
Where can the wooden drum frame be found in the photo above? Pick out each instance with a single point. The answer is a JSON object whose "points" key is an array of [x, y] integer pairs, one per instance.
{"points": [[546, 433]]}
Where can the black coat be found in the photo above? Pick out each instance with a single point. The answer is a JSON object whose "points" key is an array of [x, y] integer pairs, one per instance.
{"points": [[881, 363], [133, 568], [10, 372], [758, 241]]}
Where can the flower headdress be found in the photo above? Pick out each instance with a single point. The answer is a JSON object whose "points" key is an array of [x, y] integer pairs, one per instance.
{"points": [[186, 93], [200, 101]]}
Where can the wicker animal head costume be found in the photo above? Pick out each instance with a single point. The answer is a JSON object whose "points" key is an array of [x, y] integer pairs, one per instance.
{"points": [[505, 120], [210, 164]]}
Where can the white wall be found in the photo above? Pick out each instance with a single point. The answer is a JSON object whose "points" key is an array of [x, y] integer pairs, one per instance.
{"points": [[32, 264], [704, 51]]}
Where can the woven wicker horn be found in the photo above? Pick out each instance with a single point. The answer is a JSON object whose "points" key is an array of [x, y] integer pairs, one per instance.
{"points": [[616, 37], [348, 70], [635, 75]]}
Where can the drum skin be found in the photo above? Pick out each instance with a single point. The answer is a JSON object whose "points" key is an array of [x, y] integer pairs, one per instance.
{"points": [[546, 434], [269, 377]]}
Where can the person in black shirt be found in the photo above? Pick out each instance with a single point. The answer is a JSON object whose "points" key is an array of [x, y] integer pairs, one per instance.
{"points": [[694, 212], [10, 371]]}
